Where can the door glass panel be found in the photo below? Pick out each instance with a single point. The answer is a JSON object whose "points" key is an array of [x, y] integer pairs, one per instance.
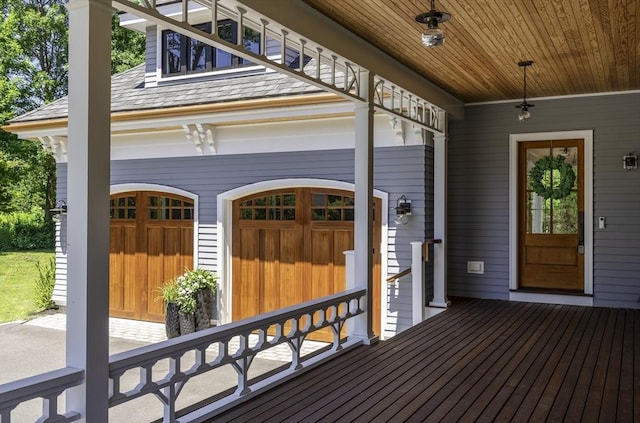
{"points": [[538, 214], [552, 207], [565, 214]]}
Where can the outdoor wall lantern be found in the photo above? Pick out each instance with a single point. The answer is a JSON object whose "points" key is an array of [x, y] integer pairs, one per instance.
{"points": [[630, 161], [60, 208], [403, 210]]}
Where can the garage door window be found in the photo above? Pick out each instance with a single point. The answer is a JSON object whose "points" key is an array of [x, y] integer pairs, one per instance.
{"points": [[123, 207], [166, 208], [330, 207], [270, 207]]}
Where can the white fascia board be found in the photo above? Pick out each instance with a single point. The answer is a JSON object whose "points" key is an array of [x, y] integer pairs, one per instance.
{"points": [[309, 23], [237, 117]]}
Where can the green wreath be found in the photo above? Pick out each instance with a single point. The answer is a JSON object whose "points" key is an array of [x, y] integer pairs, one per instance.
{"points": [[567, 177]]}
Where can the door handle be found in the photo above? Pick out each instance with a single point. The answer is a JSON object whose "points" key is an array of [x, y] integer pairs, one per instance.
{"points": [[581, 232]]}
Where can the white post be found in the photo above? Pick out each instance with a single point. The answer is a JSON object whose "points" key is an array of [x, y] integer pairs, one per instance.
{"points": [[87, 340], [440, 222], [417, 283], [363, 229], [354, 326]]}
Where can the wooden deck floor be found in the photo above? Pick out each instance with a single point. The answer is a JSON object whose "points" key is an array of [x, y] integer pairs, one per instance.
{"points": [[481, 360]]}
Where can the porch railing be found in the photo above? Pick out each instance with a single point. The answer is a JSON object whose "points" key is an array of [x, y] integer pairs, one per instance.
{"points": [[419, 256], [290, 325], [236, 344], [48, 386]]}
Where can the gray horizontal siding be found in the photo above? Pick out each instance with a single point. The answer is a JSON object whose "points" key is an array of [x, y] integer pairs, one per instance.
{"points": [[478, 181], [398, 170], [151, 59]]}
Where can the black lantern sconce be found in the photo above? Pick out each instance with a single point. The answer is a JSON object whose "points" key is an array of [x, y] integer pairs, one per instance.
{"points": [[403, 210], [630, 161], [60, 208]]}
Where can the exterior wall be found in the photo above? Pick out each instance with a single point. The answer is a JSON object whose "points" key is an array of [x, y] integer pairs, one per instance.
{"points": [[151, 75], [478, 190], [398, 170]]}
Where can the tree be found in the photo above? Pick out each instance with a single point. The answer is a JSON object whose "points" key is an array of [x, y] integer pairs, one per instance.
{"points": [[127, 47], [34, 72]]}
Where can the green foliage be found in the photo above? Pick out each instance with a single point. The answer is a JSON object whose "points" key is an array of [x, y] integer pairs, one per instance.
{"points": [[17, 276], [25, 231], [34, 72], [189, 283], [169, 291], [127, 47], [44, 284]]}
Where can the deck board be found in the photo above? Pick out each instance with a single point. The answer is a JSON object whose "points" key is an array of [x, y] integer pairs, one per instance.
{"points": [[481, 360]]}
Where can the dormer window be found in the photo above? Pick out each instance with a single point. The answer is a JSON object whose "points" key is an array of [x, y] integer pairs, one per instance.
{"points": [[184, 55]]}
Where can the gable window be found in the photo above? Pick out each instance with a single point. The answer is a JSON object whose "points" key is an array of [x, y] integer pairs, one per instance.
{"points": [[184, 55]]}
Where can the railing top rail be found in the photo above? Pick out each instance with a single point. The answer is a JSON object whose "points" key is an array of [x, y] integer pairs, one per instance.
{"points": [[43, 384], [126, 359]]}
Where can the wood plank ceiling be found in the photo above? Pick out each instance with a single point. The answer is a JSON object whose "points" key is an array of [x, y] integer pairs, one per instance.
{"points": [[578, 46]]}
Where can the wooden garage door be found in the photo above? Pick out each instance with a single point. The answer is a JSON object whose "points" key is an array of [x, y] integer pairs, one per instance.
{"points": [[151, 241], [288, 248]]}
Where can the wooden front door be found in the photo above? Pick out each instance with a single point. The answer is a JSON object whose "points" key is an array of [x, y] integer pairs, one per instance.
{"points": [[151, 242], [288, 248], [551, 215]]}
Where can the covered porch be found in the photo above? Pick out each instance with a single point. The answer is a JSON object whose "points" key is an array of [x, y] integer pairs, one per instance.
{"points": [[481, 359]]}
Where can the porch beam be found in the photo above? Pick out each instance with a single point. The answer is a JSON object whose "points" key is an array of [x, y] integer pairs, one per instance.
{"points": [[311, 24], [87, 339]]}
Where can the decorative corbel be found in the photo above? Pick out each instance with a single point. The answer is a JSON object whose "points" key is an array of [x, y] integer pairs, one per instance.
{"points": [[57, 145], [207, 134], [398, 130], [418, 133], [203, 136]]}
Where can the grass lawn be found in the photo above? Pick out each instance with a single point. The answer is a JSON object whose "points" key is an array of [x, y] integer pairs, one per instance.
{"points": [[17, 278]]}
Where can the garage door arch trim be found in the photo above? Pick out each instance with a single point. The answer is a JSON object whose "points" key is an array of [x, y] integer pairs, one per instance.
{"points": [[225, 223]]}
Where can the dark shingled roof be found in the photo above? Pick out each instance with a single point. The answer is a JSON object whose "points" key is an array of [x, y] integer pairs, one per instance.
{"points": [[128, 92]]}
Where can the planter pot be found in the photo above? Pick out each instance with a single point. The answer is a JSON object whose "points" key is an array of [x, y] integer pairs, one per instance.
{"points": [[172, 320], [204, 297], [187, 323]]}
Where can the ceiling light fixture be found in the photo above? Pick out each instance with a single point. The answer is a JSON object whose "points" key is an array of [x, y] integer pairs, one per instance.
{"points": [[433, 36], [524, 106]]}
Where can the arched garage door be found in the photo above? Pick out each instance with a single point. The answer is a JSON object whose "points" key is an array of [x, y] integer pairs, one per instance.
{"points": [[151, 241], [288, 248]]}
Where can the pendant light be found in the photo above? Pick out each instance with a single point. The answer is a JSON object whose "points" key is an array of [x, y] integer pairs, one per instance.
{"points": [[524, 106], [433, 36]]}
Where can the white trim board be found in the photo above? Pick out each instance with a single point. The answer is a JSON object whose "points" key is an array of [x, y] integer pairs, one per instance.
{"points": [[225, 222], [514, 139]]}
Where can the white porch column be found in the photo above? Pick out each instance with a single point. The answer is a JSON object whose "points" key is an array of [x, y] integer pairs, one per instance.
{"points": [[417, 282], [440, 222], [88, 201], [353, 326], [363, 236]]}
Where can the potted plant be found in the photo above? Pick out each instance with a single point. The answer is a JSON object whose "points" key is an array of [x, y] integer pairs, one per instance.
{"points": [[199, 285], [169, 293], [186, 301]]}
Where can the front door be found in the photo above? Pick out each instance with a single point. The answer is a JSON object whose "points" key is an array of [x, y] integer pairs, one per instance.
{"points": [[551, 214], [288, 248]]}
